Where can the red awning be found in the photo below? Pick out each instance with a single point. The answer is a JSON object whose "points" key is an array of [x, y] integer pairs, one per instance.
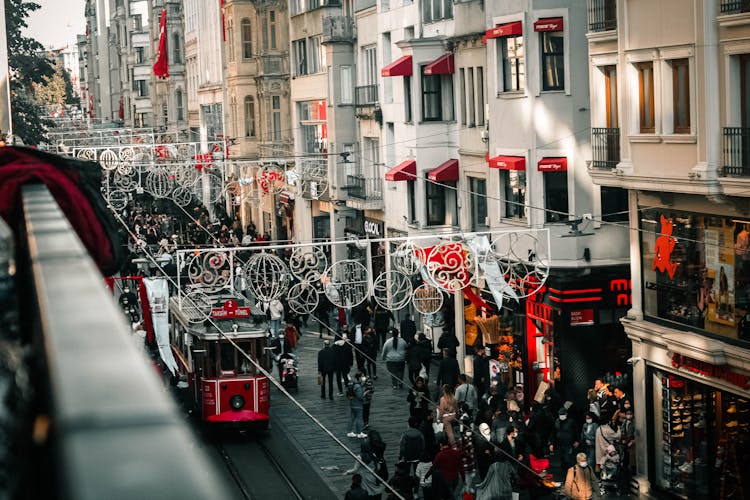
{"points": [[404, 171], [549, 24], [553, 164], [508, 29], [508, 162], [445, 172], [400, 67], [443, 65]]}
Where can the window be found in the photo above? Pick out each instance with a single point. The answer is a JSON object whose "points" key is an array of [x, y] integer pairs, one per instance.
{"points": [[230, 39], [434, 10], [346, 85], [614, 204], [141, 88], [233, 116], [462, 80], [553, 60], [432, 100], [276, 111], [369, 66], [681, 95], [295, 7], [299, 54], [646, 97], [513, 191], [176, 49], [435, 195], [247, 39], [478, 193], [470, 104], [610, 83], [249, 116], [514, 73], [316, 55], [480, 96], [556, 196], [269, 30], [179, 105], [412, 199], [312, 120], [407, 99], [139, 55]]}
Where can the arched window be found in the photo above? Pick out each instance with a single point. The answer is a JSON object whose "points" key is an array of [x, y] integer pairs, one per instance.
{"points": [[176, 49], [179, 105], [249, 116], [247, 39]]}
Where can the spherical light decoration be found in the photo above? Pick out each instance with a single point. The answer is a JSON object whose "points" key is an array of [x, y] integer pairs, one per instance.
{"points": [[209, 272], [303, 298], [182, 196], [158, 183], [427, 299], [345, 283], [308, 263], [392, 290], [215, 186], [196, 307], [406, 258], [449, 266], [267, 276], [108, 159], [118, 199], [523, 260]]}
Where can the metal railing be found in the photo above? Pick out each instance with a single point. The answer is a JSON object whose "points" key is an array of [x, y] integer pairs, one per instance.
{"points": [[602, 15], [605, 147], [339, 29], [365, 188], [736, 152], [366, 95], [734, 6], [109, 415]]}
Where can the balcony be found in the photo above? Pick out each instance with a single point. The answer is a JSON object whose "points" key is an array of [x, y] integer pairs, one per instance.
{"points": [[736, 152], [364, 193], [602, 15], [275, 150], [605, 147], [365, 96], [339, 29], [735, 6]]}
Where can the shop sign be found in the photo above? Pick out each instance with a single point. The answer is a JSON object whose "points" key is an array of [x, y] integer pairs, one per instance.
{"points": [[373, 227], [582, 317], [722, 372], [229, 310]]}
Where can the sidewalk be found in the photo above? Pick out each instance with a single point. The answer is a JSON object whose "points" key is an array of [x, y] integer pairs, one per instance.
{"points": [[389, 416]]}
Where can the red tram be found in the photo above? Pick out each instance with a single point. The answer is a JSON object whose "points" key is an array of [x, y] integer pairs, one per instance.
{"points": [[225, 387]]}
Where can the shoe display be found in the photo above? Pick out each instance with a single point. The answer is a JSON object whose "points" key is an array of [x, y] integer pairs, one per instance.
{"points": [[676, 413], [687, 467], [732, 407], [698, 397], [678, 435], [688, 398], [732, 424], [678, 428]]}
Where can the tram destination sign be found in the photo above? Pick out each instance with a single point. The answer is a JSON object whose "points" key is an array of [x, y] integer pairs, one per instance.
{"points": [[230, 310]]}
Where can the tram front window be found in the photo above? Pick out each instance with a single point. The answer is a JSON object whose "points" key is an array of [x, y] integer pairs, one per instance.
{"points": [[227, 358]]}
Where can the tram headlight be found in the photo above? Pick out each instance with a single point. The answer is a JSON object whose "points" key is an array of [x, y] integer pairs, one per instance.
{"points": [[237, 402]]}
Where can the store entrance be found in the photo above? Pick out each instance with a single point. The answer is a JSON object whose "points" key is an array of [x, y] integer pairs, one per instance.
{"points": [[700, 439]]}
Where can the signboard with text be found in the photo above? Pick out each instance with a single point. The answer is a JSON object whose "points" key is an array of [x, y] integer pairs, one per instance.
{"points": [[582, 317]]}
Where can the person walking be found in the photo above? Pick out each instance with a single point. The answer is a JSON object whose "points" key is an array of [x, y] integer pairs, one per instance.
{"points": [[448, 463], [383, 320], [580, 481], [447, 412], [356, 492], [425, 353], [344, 360], [607, 434], [481, 371], [411, 445], [326, 368], [408, 328], [564, 439], [448, 370], [369, 389], [467, 394], [419, 400], [371, 483], [356, 395], [448, 340], [588, 435], [413, 360], [370, 347], [394, 354], [275, 314]]}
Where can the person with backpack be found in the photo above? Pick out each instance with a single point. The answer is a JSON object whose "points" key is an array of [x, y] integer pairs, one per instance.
{"points": [[373, 484], [355, 394], [466, 394]]}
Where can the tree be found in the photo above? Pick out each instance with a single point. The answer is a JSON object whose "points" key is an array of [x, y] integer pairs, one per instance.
{"points": [[53, 91], [27, 67]]}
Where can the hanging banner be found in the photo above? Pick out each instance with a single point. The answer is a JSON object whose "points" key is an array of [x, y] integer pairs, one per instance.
{"points": [[158, 298]]}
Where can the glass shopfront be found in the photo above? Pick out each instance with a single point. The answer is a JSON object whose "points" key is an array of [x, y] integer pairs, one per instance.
{"points": [[696, 271], [700, 439]]}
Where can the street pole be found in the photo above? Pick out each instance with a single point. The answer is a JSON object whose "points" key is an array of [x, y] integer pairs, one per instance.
{"points": [[6, 124]]}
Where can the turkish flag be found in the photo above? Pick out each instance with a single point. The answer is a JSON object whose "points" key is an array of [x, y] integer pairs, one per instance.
{"points": [[161, 66]]}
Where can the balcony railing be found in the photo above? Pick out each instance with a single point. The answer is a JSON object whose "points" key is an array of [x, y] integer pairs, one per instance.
{"points": [[339, 29], [605, 147], [365, 188], [366, 95], [602, 15], [275, 150], [734, 6], [736, 151]]}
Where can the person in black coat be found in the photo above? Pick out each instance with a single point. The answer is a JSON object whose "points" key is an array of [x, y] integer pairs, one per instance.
{"points": [[342, 350], [413, 361], [408, 328], [326, 368], [383, 319], [481, 371], [448, 340], [448, 370]]}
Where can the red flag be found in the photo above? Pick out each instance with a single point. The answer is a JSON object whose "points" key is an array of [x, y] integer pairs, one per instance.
{"points": [[161, 66], [91, 105], [223, 25], [121, 113]]}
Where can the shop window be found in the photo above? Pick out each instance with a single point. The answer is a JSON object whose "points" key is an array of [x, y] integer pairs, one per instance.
{"points": [[513, 192], [646, 97], [614, 204], [556, 196], [512, 66], [681, 96], [701, 277], [553, 60]]}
